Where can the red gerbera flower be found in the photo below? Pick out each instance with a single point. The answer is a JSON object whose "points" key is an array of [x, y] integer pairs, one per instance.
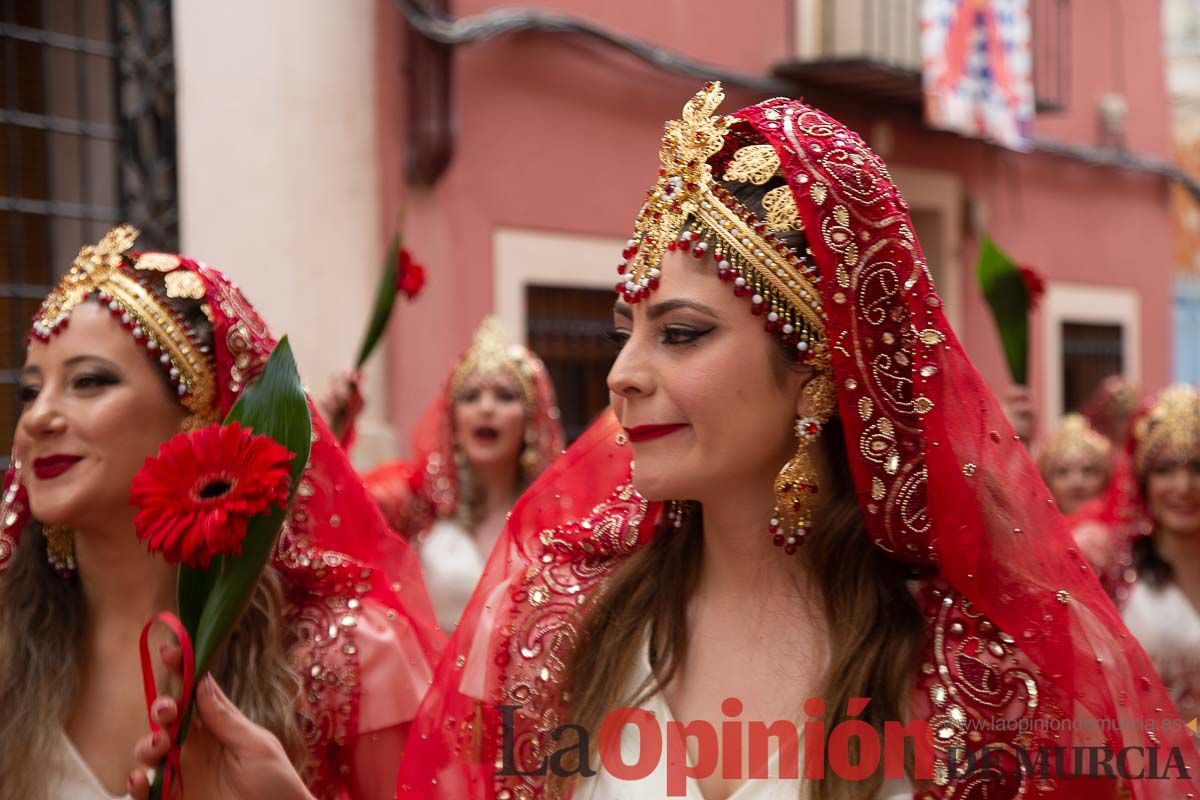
{"points": [[196, 497], [410, 276]]}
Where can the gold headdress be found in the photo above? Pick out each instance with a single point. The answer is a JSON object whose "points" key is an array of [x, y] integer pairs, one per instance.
{"points": [[689, 210], [101, 270], [491, 354], [1171, 425], [1074, 434]]}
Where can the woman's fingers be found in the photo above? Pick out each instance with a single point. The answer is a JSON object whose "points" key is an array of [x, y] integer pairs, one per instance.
{"points": [[221, 718], [152, 748], [172, 657], [138, 785], [164, 711]]}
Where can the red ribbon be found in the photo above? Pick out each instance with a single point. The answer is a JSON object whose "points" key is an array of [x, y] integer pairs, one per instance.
{"points": [[173, 767]]}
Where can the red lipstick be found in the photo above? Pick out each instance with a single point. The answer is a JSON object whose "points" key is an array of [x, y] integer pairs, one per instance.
{"points": [[53, 466], [644, 433]]}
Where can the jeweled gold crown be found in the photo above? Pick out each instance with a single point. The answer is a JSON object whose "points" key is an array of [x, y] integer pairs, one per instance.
{"points": [[1172, 425], [98, 271], [491, 354], [1074, 434], [688, 209]]}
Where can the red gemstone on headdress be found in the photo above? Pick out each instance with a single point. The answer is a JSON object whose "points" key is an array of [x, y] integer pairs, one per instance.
{"points": [[758, 309], [790, 549], [759, 226], [778, 540], [741, 291], [771, 326], [653, 283], [672, 245], [621, 269], [726, 274], [620, 287], [700, 250], [685, 245]]}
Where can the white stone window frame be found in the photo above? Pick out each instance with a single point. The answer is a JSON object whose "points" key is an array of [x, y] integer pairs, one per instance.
{"points": [[1087, 304]]}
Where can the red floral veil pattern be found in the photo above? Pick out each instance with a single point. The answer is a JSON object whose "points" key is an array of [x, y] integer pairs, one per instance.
{"points": [[335, 551], [414, 493], [1021, 636]]}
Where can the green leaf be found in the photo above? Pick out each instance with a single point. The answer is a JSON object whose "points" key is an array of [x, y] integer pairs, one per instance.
{"points": [[195, 585], [1005, 292], [276, 406], [385, 300]]}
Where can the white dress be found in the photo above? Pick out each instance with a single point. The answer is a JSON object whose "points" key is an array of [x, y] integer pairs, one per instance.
{"points": [[452, 566], [1167, 626], [73, 780], [604, 786]]}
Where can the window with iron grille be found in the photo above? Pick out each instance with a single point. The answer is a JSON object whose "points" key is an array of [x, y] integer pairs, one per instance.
{"points": [[1091, 352], [568, 329], [87, 139]]}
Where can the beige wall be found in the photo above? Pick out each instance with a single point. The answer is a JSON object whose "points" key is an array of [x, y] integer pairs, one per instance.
{"points": [[278, 167]]}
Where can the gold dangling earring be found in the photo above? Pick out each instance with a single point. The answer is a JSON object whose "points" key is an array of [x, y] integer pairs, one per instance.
{"points": [[530, 460], [675, 515], [796, 485], [60, 548]]}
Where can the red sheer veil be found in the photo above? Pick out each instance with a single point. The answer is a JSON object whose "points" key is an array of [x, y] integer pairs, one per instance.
{"points": [[335, 551], [1020, 631]]}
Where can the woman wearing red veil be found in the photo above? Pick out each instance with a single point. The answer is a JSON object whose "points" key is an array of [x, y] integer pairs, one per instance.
{"points": [[1163, 606], [1076, 462], [336, 649], [829, 521], [483, 440]]}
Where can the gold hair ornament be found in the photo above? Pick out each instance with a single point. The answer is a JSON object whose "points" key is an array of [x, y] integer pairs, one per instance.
{"points": [[1074, 434], [688, 210], [1172, 425], [492, 354], [98, 270]]}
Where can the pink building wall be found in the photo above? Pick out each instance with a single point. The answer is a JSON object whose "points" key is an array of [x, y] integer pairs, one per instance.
{"points": [[558, 134]]}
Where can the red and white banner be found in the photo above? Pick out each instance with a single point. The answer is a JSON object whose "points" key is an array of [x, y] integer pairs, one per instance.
{"points": [[978, 69]]}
